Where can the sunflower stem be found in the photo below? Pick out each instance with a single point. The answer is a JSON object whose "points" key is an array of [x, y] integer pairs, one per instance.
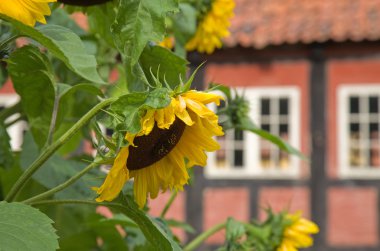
{"points": [[49, 151], [169, 203], [61, 186], [203, 236]]}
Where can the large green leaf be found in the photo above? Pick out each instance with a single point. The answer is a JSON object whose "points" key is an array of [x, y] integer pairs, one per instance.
{"points": [[150, 228], [74, 102], [63, 44], [140, 21], [164, 64], [62, 18], [56, 171], [184, 27], [129, 107], [33, 80], [23, 227], [100, 19]]}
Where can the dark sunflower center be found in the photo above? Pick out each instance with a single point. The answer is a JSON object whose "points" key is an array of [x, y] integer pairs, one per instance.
{"points": [[153, 147]]}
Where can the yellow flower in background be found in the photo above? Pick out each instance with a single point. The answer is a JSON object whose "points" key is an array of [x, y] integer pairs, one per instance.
{"points": [[297, 234], [155, 157], [168, 42], [26, 11], [213, 27]]}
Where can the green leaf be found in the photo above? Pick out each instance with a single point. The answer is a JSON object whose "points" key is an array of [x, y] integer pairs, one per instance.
{"points": [[152, 231], [84, 240], [248, 125], [184, 27], [6, 155], [56, 171], [33, 80], [130, 107], [100, 19], [179, 224], [112, 240], [62, 18], [3, 73], [234, 229], [23, 227], [135, 76], [74, 102], [63, 44], [140, 21], [172, 68]]}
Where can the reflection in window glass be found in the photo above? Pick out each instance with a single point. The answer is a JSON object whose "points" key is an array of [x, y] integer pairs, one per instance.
{"points": [[274, 119], [364, 150]]}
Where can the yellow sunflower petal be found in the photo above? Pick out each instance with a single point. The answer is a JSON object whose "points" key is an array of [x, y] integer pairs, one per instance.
{"points": [[305, 226], [203, 97], [27, 11], [116, 177], [200, 109], [148, 122]]}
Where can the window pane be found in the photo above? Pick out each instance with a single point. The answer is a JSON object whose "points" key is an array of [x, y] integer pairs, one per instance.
{"points": [[354, 104], [265, 106], [373, 130], [284, 109], [265, 157], [239, 135], [373, 104], [284, 160], [221, 158], [265, 127], [354, 127], [238, 158], [284, 133]]}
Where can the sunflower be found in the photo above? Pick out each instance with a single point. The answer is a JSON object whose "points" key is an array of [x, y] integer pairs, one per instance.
{"points": [[171, 140], [26, 11], [213, 27], [297, 233], [168, 43]]}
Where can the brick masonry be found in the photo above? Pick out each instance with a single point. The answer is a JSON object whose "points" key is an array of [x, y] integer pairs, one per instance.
{"points": [[352, 217], [281, 198], [221, 203]]}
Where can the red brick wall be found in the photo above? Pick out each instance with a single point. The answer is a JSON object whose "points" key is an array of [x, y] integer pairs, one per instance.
{"points": [[279, 198], [221, 203], [352, 216]]}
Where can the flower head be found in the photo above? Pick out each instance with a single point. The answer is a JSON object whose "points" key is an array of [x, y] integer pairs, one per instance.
{"points": [[168, 42], [171, 140], [213, 27], [297, 233], [26, 11]]}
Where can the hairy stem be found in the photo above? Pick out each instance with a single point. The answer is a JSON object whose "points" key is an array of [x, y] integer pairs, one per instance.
{"points": [[49, 151], [203, 236], [61, 186], [53, 120]]}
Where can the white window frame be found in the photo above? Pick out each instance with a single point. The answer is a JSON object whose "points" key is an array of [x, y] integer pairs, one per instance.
{"points": [[344, 91], [15, 131], [251, 168]]}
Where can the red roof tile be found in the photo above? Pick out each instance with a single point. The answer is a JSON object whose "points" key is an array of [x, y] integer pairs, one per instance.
{"points": [[259, 23]]}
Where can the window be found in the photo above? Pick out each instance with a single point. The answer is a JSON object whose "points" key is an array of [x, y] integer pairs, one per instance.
{"points": [[245, 155], [15, 131], [358, 130]]}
